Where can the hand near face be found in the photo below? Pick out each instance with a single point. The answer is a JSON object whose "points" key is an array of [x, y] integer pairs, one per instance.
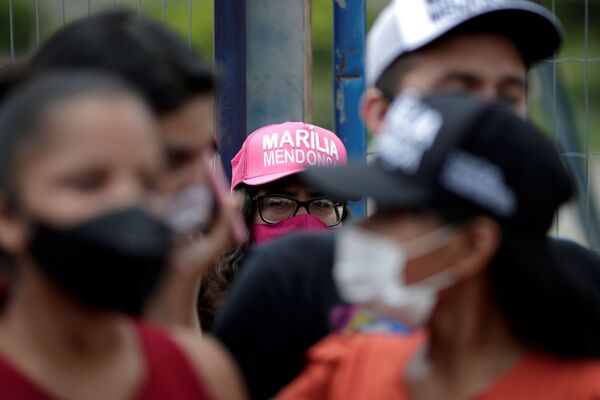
{"points": [[175, 302]]}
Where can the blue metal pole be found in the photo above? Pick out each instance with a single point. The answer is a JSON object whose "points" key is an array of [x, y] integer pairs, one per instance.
{"points": [[349, 80], [277, 67], [230, 56]]}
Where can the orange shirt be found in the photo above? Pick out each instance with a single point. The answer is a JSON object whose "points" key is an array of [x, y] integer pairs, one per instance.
{"points": [[370, 367]]}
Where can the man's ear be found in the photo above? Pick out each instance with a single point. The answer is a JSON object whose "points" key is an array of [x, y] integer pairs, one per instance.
{"points": [[13, 230], [374, 105], [481, 241]]}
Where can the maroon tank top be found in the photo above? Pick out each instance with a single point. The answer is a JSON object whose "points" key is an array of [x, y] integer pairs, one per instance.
{"points": [[169, 375]]}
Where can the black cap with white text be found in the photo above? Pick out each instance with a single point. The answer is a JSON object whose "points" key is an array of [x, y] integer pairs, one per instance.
{"points": [[460, 157]]}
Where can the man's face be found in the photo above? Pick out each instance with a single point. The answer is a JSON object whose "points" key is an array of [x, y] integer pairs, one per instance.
{"points": [[486, 65], [187, 133]]}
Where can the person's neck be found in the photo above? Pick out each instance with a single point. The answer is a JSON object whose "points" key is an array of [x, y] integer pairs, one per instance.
{"points": [[470, 344], [50, 323]]}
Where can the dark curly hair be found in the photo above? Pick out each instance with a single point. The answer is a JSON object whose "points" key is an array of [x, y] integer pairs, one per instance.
{"points": [[216, 281], [215, 284]]}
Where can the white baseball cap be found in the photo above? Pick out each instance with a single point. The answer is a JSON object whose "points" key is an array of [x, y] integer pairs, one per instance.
{"points": [[407, 25]]}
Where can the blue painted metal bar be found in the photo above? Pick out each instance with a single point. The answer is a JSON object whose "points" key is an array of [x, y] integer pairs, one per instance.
{"points": [[230, 56], [349, 80], [277, 71]]}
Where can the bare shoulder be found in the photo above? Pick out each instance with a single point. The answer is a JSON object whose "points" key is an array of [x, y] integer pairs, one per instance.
{"points": [[213, 363]]}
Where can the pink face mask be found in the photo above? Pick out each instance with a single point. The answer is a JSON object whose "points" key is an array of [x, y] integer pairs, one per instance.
{"points": [[262, 233]]}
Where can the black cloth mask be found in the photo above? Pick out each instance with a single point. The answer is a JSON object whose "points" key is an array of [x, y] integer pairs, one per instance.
{"points": [[111, 262]]}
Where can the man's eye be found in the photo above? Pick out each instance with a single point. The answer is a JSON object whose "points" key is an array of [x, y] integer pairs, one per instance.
{"points": [[278, 202], [323, 204]]}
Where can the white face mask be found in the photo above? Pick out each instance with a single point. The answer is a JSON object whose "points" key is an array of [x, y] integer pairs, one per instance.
{"points": [[370, 270], [191, 209]]}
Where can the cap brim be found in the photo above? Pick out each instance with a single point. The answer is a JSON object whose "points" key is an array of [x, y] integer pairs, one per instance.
{"points": [[535, 31], [353, 182], [261, 180]]}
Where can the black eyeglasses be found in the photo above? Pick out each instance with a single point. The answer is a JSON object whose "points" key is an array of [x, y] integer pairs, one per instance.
{"points": [[274, 208]]}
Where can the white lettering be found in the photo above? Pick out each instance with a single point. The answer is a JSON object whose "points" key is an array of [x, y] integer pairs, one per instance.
{"points": [[279, 156], [333, 150], [323, 159], [286, 138], [270, 142], [314, 157], [286, 149], [323, 149], [320, 159], [269, 158], [441, 9], [289, 156], [302, 136], [408, 131]]}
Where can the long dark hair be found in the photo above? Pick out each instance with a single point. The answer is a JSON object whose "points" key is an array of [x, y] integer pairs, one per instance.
{"points": [[549, 292], [215, 284]]}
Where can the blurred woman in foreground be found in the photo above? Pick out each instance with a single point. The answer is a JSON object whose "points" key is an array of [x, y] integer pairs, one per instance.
{"points": [[178, 85], [79, 162]]}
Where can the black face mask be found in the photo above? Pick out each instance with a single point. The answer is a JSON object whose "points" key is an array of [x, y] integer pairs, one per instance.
{"points": [[112, 262]]}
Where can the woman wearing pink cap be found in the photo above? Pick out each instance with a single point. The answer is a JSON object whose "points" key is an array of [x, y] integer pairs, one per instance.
{"points": [[276, 202]]}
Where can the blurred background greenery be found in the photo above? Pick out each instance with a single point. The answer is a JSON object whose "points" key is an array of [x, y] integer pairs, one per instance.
{"points": [[580, 79], [578, 69]]}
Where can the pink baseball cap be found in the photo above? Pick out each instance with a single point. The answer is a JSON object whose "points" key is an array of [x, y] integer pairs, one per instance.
{"points": [[276, 151]]}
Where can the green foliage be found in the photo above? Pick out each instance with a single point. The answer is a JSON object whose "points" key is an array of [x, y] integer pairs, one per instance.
{"points": [[23, 31], [580, 79], [178, 17]]}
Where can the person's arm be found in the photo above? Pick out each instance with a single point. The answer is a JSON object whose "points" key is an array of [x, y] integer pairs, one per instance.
{"points": [[175, 302], [278, 308], [214, 366]]}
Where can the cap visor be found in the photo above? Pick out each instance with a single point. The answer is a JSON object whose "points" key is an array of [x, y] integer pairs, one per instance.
{"points": [[353, 182], [261, 180], [533, 28]]}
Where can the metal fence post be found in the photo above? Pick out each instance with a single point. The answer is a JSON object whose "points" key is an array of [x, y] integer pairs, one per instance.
{"points": [[349, 81], [565, 128], [230, 56], [278, 64]]}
